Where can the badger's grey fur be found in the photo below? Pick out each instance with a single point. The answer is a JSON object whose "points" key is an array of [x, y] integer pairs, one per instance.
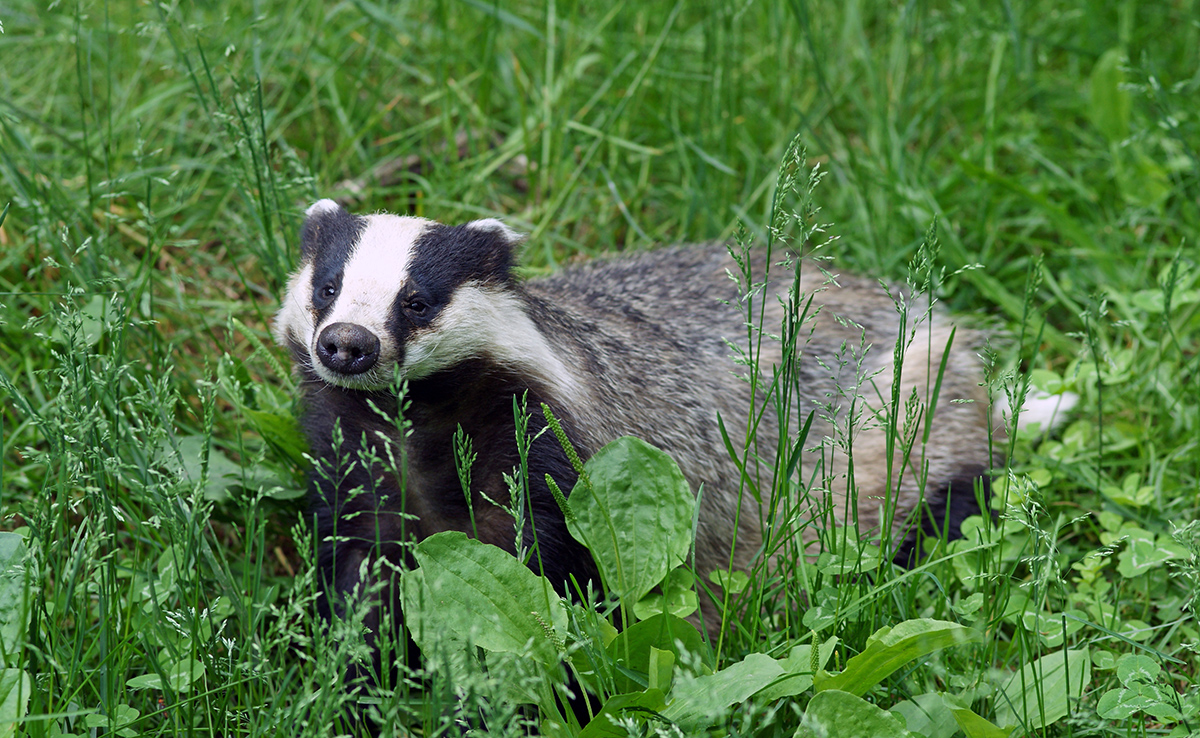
{"points": [[635, 345]]}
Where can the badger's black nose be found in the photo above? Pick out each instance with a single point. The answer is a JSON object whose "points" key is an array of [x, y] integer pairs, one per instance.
{"points": [[347, 348]]}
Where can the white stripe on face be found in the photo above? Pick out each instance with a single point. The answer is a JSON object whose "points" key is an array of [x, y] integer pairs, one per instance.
{"points": [[487, 322], [373, 275]]}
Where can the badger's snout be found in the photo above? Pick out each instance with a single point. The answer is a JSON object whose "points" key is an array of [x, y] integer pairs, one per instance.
{"points": [[347, 348]]}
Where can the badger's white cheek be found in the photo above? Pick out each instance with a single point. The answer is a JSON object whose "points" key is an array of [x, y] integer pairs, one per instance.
{"points": [[455, 335], [478, 322], [294, 321], [427, 353]]}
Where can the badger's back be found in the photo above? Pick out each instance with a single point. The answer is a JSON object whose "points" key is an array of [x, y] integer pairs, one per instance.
{"points": [[656, 335]]}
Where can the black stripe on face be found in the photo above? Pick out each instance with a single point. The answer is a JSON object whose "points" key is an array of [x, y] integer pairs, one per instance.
{"points": [[327, 240], [443, 259]]}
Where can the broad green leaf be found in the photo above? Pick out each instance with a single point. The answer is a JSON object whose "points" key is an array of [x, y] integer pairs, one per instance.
{"points": [[660, 669], [679, 602], [837, 714], [632, 648], [483, 596], [14, 598], [161, 588], [1042, 692], [818, 618], [798, 671], [891, 648], [1131, 492], [1135, 630], [1049, 381], [168, 567], [635, 703], [1017, 605], [521, 679], [698, 702], [1150, 301], [1104, 660], [971, 723], [1164, 709], [678, 597], [91, 323], [971, 567], [969, 605], [927, 715], [15, 688], [638, 522], [974, 726], [182, 674], [1110, 102]]}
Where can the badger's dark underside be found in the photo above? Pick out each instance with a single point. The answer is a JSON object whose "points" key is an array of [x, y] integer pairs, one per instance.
{"points": [[373, 497]]}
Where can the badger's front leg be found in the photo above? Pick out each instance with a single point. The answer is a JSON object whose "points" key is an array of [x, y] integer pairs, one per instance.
{"points": [[360, 557]]}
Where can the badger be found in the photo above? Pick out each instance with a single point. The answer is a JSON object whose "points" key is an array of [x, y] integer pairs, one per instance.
{"points": [[643, 345]]}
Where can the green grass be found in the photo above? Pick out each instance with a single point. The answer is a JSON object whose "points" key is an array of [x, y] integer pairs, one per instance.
{"points": [[154, 163]]}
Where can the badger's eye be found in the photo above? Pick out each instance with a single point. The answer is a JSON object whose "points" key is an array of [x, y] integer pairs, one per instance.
{"points": [[418, 307], [324, 294]]}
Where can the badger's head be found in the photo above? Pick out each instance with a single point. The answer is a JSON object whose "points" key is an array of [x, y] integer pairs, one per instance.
{"points": [[378, 292]]}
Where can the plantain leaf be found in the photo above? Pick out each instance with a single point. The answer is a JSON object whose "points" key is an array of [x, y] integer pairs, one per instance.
{"points": [[482, 595], [798, 670], [635, 517], [14, 598], [15, 689], [928, 715], [891, 648], [971, 723], [635, 703], [837, 714], [1042, 692], [701, 700], [632, 649]]}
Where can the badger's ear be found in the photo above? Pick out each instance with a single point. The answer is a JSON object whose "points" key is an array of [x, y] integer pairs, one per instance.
{"points": [[489, 247], [494, 225], [325, 222], [323, 206]]}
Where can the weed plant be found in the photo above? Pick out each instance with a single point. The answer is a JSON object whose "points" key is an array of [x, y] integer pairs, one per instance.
{"points": [[1034, 167]]}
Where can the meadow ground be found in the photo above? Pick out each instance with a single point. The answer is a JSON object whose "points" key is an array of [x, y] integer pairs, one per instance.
{"points": [[155, 159]]}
